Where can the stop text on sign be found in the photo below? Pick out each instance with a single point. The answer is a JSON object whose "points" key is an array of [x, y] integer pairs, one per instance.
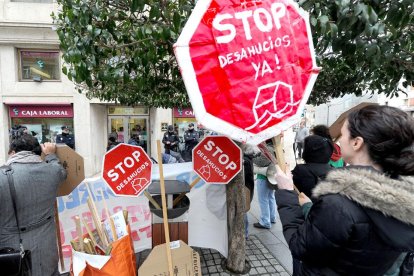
{"points": [[222, 158], [128, 162], [272, 20], [217, 159], [127, 170]]}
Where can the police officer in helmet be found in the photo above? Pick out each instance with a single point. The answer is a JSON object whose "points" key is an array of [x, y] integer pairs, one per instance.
{"points": [[170, 140], [66, 138], [191, 137]]}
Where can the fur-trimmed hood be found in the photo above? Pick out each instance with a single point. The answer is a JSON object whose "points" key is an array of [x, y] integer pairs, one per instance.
{"points": [[382, 196]]}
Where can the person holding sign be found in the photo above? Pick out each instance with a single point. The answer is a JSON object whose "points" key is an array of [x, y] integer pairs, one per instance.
{"points": [[35, 183], [363, 218]]}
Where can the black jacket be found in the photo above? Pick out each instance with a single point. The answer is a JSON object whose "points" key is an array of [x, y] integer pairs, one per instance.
{"points": [[171, 137], [306, 176], [191, 139], [359, 225], [67, 139], [248, 174]]}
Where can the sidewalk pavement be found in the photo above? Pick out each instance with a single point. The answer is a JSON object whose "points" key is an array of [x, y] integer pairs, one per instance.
{"points": [[266, 251], [272, 239]]}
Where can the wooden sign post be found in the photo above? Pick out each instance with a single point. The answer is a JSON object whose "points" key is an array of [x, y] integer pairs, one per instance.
{"points": [[164, 210]]}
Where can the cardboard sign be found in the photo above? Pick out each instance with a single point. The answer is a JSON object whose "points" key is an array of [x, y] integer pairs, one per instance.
{"points": [[335, 128], [217, 159], [72, 162], [248, 66], [127, 170], [185, 261]]}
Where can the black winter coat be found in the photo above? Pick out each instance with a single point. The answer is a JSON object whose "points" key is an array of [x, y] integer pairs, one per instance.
{"points": [[191, 139], [171, 137], [67, 139], [248, 174], [306, 176], [360, 224]]}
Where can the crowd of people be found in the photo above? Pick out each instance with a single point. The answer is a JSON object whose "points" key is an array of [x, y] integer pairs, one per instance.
{"points": [[354, 214]]}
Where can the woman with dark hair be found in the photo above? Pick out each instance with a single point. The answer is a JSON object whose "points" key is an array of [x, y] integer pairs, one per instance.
{"points": [[363, 218], [36, 183]]}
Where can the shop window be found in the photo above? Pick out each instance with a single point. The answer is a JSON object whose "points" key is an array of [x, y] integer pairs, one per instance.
{"points": [[44, 129], [39, 65], [33, 1]]}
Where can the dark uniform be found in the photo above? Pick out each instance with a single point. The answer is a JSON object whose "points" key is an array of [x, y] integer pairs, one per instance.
{"points": [[170, 140], [191, 137], [66, 138]]}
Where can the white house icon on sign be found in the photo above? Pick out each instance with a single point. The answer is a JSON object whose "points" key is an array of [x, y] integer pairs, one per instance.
{"points": [[138, 184], [266, 106], [205, 172]]}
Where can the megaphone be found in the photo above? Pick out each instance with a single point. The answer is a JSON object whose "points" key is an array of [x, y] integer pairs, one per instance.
{"points": [[271, 174]]}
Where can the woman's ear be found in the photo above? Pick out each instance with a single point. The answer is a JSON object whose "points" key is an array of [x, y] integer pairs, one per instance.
{"points": [[358, 143]]}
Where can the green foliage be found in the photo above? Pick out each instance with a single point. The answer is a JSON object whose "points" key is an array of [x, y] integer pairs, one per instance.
{"points": [[361, 46], [122, 50]]}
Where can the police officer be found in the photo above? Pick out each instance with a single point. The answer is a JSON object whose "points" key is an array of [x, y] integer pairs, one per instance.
{"points": [[191, 137], [66, 138], [170, 140]]}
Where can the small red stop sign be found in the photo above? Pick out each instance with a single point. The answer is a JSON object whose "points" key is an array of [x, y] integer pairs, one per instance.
{"points": [[127, 170], [217, 159]]}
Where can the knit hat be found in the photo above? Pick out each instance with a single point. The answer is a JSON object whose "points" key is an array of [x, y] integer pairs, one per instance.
{"points": [[317, 149]]}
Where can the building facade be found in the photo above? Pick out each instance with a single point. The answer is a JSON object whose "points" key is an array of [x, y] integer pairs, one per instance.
{"points": [[326, 114], [36, 94]]}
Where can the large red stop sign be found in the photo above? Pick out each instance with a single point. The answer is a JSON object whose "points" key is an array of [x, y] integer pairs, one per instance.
{"points": [[127, 170], [248, 66], [217, 159]]}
